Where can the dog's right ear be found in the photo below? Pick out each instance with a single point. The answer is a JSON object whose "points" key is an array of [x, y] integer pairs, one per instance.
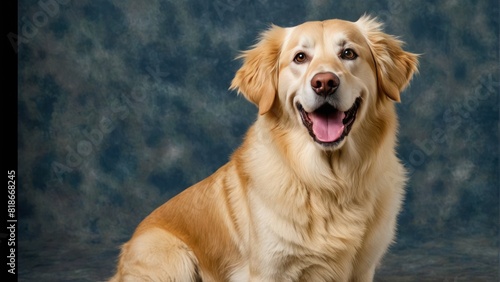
{"points": [[257, 79]]}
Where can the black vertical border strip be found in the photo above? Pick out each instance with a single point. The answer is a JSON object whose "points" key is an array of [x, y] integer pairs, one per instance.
{"points": [[10, 138]]}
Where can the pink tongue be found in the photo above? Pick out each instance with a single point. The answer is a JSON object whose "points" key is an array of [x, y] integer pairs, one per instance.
{"points": [[327, 127]]}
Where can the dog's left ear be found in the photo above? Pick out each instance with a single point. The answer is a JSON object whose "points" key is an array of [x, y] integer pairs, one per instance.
{"points": [[395, 67], [257, 79]]}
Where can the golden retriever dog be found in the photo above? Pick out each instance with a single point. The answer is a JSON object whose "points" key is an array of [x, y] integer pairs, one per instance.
{"points": [[313, 192]]}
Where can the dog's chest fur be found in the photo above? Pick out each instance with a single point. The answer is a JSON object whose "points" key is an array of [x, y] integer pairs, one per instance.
{"points": [[302, 232], [316, 229]]}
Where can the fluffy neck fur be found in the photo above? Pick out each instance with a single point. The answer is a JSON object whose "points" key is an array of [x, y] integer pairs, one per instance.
{"points": [[314, 167]]}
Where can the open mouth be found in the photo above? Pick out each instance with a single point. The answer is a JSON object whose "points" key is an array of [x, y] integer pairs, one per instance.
{"points": [[327, 125]]}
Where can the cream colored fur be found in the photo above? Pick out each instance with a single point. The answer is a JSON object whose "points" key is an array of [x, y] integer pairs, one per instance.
{"points": [[286, 208]]}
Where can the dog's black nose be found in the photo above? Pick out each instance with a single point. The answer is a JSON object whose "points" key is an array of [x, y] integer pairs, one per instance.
{"points": [[325, 83]]}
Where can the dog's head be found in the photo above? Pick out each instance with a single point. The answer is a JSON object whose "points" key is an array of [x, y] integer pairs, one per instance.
{"points": [[323, 75]]}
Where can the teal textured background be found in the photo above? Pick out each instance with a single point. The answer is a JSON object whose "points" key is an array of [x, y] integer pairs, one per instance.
{"points": [[123, 104]]}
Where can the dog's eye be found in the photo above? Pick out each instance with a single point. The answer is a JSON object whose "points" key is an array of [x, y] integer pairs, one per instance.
{"points": [[348, 54], [300, 58]]}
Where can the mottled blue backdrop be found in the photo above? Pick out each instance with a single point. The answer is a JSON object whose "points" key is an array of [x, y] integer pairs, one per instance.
{"points": [[123, 104]]}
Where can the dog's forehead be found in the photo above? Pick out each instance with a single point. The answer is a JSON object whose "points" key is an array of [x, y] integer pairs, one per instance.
{"points": [[334, 31]]}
